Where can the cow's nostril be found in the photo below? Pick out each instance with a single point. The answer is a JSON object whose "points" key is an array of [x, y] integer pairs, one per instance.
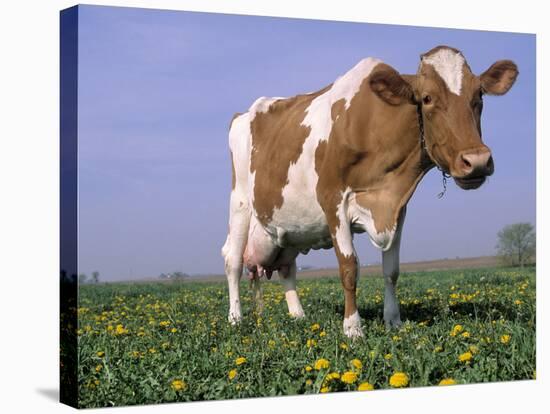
{"points": [[466, 166]]}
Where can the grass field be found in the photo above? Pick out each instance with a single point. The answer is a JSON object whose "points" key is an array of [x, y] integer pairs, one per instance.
{"points": [[161, 342]]}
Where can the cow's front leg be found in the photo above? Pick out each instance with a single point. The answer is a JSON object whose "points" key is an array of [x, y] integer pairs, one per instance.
{"points": [[390, 269], [349, 271]]}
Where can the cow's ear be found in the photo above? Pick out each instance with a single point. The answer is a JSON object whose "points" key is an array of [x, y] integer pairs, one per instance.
{"points": [[390, 86], [499, 78]]}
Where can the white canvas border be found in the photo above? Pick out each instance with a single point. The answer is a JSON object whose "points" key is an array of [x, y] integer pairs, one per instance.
{"points": [[29, 209]]}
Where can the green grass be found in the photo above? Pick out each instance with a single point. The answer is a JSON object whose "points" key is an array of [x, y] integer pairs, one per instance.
{"points": [[179, 332]]}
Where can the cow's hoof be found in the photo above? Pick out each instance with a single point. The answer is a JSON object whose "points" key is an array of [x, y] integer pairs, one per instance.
{"points": [[234, 319], [354, 332], [352, 326], [393, 323], [298, 314]]}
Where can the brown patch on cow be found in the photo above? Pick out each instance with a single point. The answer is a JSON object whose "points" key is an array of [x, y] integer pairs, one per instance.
{"points": [[349, 271], [277, 141], [337, 108]]}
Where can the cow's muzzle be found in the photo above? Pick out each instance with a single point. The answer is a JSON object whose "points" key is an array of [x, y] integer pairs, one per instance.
{"points": [[473, 167]]}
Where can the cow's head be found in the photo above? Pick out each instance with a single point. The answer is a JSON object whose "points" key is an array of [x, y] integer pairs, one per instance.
{"points": [[450, 98]]}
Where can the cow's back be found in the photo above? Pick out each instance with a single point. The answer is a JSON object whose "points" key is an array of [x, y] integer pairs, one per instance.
{"points": [[274, 147]]}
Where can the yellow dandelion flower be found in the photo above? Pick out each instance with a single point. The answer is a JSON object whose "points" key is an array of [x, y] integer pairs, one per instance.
{"points": [[518, 302], [321, 364], [473, 349], [100, 354], [309, 382], [271, 343], [456, 330], [447, 381], [356, 363], [332, 376], [465, 357], [308, 368], [323, 333], [174, 330], [315, 327], [98, 368], [399, 380], [365, 386], [325, 389], [240, 361], [387, 357], [311, 343], [505, 339], [120, 330], [178, 385], [152, 350], [344, 346], [465, 334], [164, 324], [349, 377], [438, 348], [232, 374]]}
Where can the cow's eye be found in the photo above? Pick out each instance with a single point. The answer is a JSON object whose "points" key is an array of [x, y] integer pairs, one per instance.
{"points": [[427, 100]]}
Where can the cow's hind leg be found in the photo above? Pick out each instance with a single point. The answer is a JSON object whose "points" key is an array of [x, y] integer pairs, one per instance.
{"points": [[390, 269], [287, 275], [232, 252]]}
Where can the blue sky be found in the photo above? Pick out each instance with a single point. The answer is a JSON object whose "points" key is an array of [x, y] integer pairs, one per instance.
{"points": [[157, 90]]}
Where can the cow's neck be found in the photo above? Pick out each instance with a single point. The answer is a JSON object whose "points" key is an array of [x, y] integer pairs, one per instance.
{"points": [[383, 160]]}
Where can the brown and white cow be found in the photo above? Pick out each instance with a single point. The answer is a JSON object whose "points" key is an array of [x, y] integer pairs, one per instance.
{"points": [[312, 170]]}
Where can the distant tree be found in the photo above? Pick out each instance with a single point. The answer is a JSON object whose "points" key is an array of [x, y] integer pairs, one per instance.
{"points": [[163, 276], [95, 277], [82, 278], [179, 276], [517, 243]]}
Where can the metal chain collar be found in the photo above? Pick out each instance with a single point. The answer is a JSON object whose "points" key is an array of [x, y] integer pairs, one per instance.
{"points": [[423, 148]]}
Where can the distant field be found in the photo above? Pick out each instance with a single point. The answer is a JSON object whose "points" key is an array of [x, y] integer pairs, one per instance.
{"points": [[161, 342], [426, 265]]}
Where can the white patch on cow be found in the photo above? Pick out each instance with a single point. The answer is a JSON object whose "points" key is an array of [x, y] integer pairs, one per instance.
{"points": [[300, 221], [352, 326], [361, 220], [343, 231], [448, 64], [348, 85]]}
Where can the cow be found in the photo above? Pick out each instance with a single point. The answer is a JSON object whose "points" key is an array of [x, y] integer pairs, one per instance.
{"points": [[310, 171]]}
